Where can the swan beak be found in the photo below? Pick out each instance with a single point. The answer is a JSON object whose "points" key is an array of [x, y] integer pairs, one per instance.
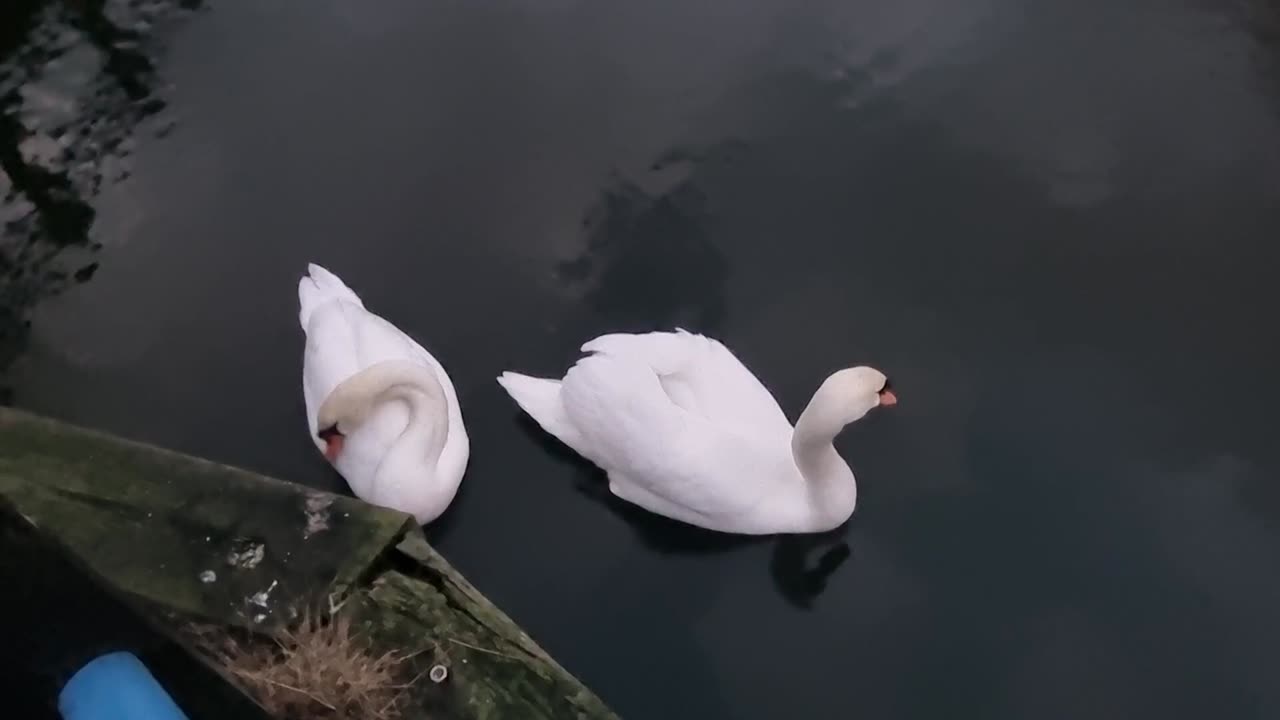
{"points": [[887, 398], [333, 440]]}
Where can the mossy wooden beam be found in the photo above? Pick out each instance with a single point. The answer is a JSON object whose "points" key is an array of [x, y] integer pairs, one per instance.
{"points": [[205, 541], [188, 534]]}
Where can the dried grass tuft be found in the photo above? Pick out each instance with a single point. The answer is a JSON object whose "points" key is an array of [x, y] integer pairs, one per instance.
{"points": [[314, 670]]}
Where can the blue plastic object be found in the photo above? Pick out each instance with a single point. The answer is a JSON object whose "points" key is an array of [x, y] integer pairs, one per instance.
{"points": [[116, 686]]}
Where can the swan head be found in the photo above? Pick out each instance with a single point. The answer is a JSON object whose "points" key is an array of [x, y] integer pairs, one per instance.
{"points": [[337, 416], [357, 398], [333, 438], [856, 391]]}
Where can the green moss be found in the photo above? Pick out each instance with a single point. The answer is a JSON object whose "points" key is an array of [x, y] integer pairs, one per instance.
{"points": [[492, 672], [156, 521], [153, 522]]}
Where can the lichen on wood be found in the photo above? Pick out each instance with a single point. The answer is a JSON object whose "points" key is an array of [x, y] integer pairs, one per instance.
{"points": [[209, 543]]}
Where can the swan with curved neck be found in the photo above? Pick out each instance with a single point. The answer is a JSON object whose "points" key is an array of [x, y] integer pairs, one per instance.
{"points": [[683, 429], [380, 408], [844, 398], [421, 442]]}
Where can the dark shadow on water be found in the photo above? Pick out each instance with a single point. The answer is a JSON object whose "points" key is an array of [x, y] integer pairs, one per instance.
{"points": [[799, 580], [649, 262]]}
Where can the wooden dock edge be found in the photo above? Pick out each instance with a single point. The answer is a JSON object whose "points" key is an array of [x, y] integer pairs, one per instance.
{"points": [[200, 541]]}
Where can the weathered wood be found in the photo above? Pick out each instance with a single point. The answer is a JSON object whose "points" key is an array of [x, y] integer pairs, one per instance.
{"points": [[156, 522], [496, 670], [207, 541]]}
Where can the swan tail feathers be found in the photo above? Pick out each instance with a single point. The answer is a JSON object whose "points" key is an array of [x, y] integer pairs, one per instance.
{"points": [[319, 288], [540, 399]]}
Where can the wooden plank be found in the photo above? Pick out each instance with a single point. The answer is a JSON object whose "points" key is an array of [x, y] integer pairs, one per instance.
{"points": [[495, 669], [198, 537], [152, 522]]}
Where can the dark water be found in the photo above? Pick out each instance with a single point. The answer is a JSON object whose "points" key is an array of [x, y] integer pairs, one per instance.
{"points": [[1055, 225]]}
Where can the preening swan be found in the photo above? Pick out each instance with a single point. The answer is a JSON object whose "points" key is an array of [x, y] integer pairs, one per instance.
{"points": [[685, 430], [379, 406]]}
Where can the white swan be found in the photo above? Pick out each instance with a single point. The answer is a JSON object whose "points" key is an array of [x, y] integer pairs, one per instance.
{"points": [[684, 430], [379, 406]]}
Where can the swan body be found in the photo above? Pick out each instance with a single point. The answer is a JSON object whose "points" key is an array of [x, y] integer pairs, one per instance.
{"points": [[683, 429], [379, 406]]}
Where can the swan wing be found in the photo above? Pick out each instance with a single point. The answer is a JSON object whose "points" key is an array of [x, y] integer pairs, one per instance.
{"points": [[678, 462], [702, 376]]}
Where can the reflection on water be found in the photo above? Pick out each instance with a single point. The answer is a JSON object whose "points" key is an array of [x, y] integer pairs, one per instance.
{"points": [[76, 80], [802, 564], [649, 262]]}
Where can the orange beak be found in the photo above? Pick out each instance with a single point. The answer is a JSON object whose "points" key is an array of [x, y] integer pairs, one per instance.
{"points": [[332, 443], [887, 398], [332, 447]]}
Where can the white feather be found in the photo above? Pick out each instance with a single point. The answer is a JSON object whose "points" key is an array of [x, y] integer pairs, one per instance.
{"points": [[685, 430], [342, 339]]}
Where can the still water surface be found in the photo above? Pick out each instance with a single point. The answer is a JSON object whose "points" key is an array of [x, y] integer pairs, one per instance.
{"points": [[1054, 224]]}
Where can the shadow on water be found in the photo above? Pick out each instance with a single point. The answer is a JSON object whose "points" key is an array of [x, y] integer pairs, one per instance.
{"points": [[799, 574], [649, 261], [76, 81]]}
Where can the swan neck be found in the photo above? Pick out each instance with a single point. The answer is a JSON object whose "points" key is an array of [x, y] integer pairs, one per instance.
{"points": [[816, 431], [830, 483], [425, 432], [419, 389]]}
